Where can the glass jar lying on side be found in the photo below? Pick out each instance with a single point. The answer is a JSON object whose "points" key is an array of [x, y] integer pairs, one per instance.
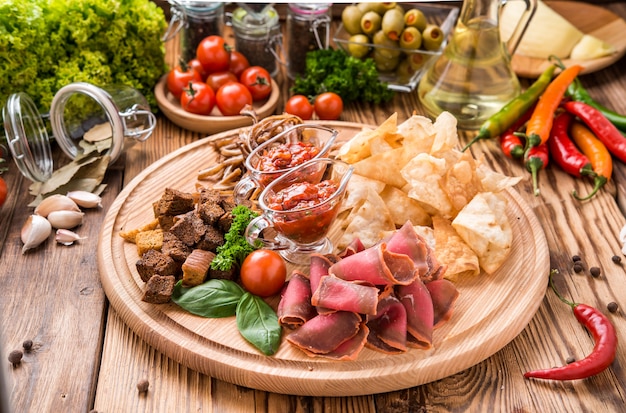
{"points": [[83, 117]]}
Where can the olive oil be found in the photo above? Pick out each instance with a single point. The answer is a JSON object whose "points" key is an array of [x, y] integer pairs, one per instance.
{"points": [[473, 77]]}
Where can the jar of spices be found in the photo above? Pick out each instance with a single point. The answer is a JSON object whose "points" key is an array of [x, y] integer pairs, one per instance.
{"points": [[257, 36], [195, 20], [308, 28], [83, 118]]}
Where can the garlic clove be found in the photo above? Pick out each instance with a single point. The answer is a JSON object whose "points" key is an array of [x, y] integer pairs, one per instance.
{"points": [[65, 219], [67, 237], [85, 199], [56, 202], [35, 230]]}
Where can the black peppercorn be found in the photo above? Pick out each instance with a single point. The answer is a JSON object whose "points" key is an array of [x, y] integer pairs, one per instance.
{"points": [[15, 357], [616, 259], [142, 385], [578, 268], [27, 344], [595, 271], [570, 360], [612, 307], [576, 258]]}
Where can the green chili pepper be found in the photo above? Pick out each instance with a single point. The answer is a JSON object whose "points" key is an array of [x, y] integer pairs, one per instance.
{"points": [[505, 117], [578, 93]]}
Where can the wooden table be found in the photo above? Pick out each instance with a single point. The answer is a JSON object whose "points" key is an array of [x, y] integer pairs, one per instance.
{"points": [[85, 357]]}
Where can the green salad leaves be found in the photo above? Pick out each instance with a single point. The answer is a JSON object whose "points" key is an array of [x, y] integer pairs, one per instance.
{"points": [[333, 70], [47, 44]]}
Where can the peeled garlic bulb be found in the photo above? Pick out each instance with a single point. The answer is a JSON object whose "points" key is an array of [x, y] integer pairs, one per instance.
{"points": [[85, 199], [36, 230], [65, 219], [56, 202], [67, 237]]}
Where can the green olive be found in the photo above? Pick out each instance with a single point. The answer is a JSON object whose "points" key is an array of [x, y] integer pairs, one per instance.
{"points": [[370, 22], [385, 63], [417, 60], [351, 19], [415, 18], [358, 45], [393, 24], [388, 5], [410, 38], [404, 71], [386, 46], [373, 6], [432, 37]]}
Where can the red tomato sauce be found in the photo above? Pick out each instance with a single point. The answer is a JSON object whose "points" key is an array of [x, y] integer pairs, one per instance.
{"points": [[287, 155], [302, 224]]}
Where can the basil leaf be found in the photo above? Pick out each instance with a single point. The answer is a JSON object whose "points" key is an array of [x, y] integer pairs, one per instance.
{"points": [[258, 323], [213, 299]]}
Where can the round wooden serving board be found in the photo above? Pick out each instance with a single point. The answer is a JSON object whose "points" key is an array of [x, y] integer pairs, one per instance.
{"points": [[490, 311], [589, 19]]}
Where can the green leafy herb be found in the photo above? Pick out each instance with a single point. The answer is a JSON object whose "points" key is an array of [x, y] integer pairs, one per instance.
{"points": [[236, 248], [212, 299], [47, 44], [258, 323], [333, 70]]}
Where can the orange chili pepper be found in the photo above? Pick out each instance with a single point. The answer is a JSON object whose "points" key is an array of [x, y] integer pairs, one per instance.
{"points": [[540, 123], [599, 156]]}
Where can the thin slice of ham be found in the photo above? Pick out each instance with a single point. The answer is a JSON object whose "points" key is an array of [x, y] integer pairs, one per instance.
{"points": [[376, 265], [419, 313], [407, 241], [319, 268], [341, 295], [355, 246], [348, 350], [444, 295], [388, 328], [294, 308], [325, 332]]}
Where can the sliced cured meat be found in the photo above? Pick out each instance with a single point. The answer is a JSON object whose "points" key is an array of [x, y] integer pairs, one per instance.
{"points": [[419, 313], [325, 332], [294, 308], [355, 246], [341, 295], [349, 350], [444, 295], [388, 328], [377, 266], [407, 241], [319, 268]]}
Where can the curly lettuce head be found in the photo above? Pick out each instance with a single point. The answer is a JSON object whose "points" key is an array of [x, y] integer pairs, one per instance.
{"points": [[47, 44]]}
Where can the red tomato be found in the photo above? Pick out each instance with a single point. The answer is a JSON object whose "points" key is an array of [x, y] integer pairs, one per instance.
{"points": [[214, 54], [300, 106], [328, 106], [232, 97], [217, 79], [3, 191], [195, 63], [238, 63], [198, 98], [258, 82], [263, 273], [179, 77]]}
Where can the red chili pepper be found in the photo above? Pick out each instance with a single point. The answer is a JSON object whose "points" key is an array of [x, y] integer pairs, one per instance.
{"points": [[540, 123], [598, 155], [537, 159], [603, 352], [510, 141], [601, 127], [564, 151]]}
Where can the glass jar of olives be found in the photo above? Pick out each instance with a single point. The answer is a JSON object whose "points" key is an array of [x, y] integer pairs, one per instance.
{"points": [[308, 28]]}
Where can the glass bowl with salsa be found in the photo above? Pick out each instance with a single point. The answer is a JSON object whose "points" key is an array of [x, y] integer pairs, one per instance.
{"points": [[281, 154], [300, 208]]}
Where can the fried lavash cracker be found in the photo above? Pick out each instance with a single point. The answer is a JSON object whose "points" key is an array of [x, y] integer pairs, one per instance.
{"points": [[425, 175]]}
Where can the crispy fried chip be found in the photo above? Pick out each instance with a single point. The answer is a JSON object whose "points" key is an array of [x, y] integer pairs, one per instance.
{"points": [[358, 147], [451, 250], [384, 167], [484, 226], [493, 181], [461, 183], [356, 191], [419, 133], [446, 137], [423, 175], [403, 208]]}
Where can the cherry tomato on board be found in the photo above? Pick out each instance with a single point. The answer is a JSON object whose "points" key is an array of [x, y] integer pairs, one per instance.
{"points": [[179, 77], [238, 63], [263, 273], [299, 105], [258, 82], [232, 97], [214, 54], [198, 98], [328, 106], [217, 79]]}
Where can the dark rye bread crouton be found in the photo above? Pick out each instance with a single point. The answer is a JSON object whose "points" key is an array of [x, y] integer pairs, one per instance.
{"points": [[209, 195], [210, 212], [159, 289], [189, 228], [211, 239], [174, 247], [173, 202], [154, 262]]}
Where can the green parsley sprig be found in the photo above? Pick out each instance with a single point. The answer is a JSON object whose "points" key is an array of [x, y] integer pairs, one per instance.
{"points": [[236, 248]]}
